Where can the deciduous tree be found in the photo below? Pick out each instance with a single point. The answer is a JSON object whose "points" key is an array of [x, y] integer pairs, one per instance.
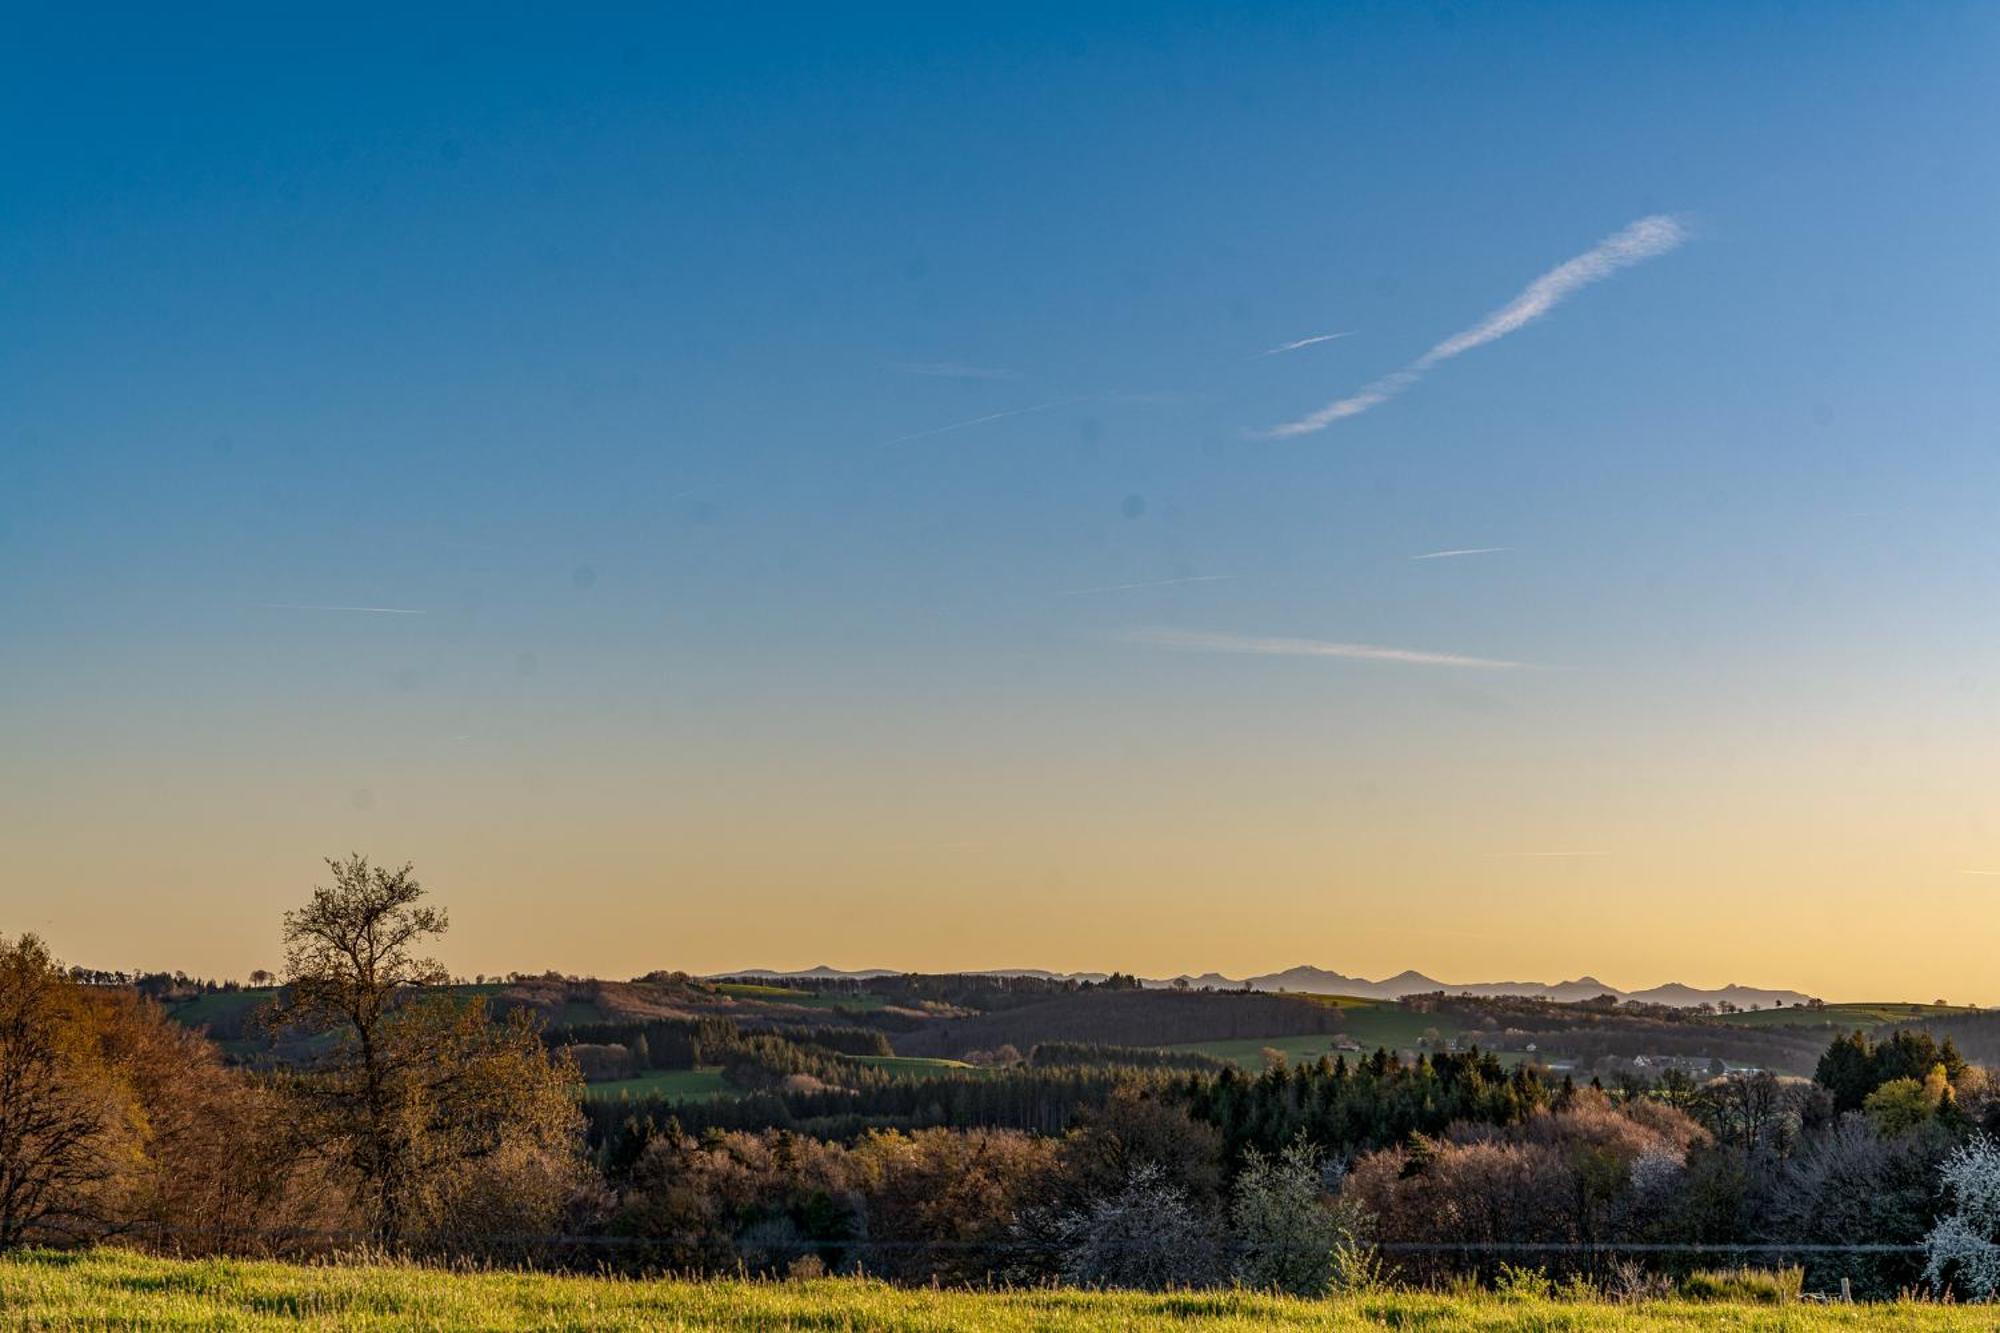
{"points": [[422, 1100]]}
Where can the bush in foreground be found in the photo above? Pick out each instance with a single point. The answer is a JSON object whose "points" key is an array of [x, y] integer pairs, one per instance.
{"points": [[1756, 1286]]}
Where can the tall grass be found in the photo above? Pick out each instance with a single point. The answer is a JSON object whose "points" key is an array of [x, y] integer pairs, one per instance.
{"points": [[110, 1289], [1764, 1286]]}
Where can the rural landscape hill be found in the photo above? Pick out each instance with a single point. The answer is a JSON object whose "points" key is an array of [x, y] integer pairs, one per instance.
{"points": [[1309, 980]]}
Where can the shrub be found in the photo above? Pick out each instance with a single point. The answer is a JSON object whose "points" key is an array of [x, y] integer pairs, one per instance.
{"points": [[1751, 1286], [1357, 1269], [1289, 1229], [1523, 1283], [1147, 1236]]}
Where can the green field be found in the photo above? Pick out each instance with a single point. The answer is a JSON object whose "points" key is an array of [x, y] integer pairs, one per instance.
{"points": [[215, 1006], [1843, 1016], [743, 990], [110, 1289], [688, 1085], [915, 1066], [1375, 1023], [1367, 1023], [1249, 1053]]}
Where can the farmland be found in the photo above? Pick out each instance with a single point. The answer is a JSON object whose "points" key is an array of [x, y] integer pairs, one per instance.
{"points": [[667, 1084], [116, 1289], [1249, 1052], [858, 1002], [1842, 1017], [915, 1066], [1366, 1024]]}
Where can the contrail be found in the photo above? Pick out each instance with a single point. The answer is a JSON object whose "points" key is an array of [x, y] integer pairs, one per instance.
{"points": [[1155, 583], [1302, 342], [1468, 550], [314, 606], [1642, 240], [953, 370], [980, 421], [1197, 642]]}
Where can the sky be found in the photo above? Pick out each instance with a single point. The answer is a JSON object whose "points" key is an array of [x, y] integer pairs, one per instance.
{"points": [[1502, 490]]}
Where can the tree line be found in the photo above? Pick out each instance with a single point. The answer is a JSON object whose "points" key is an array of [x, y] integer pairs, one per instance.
{"points": [[422, 1123]]}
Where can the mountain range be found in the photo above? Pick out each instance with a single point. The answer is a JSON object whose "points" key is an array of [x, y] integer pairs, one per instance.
{"points": [[1319, 981]]}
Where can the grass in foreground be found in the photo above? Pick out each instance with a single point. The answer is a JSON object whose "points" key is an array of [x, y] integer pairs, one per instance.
{"points": [[117, 1289]]}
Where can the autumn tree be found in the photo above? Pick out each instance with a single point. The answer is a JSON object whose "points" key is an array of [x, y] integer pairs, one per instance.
{"points": [[117, 1122], [447, 1124], [59, 1121]]}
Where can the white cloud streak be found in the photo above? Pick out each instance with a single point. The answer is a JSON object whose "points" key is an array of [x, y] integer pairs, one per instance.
{"points": [[364, 610], [1645, 239], [1461, 551], [1302, 342], [1153, 583], [980, 421], [952, 370], [1195, 641]]}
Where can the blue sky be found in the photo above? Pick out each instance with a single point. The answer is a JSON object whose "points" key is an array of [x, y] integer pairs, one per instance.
{"points": [[620, 347]]}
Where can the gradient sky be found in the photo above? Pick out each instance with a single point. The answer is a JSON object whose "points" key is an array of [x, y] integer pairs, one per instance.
{"points": [[815, 477]]}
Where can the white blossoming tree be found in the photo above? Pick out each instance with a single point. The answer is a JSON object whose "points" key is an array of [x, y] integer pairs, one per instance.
{"points": [[1962, 1247]]}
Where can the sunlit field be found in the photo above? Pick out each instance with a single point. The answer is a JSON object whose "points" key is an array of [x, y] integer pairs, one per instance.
{"points": [[118, 1289]]}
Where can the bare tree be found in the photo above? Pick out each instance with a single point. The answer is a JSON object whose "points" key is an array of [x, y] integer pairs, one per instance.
{"points": [[424, 1100], [350, 954]]}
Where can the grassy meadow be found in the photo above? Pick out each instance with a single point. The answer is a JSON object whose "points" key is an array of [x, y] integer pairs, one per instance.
{"points": [[1842, 1016], [111, 1289], [677, 1084], [832, 1000], [916, 1066], [1367, 1023]]}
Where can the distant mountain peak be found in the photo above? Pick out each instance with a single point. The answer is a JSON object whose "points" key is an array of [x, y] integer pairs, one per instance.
{"points": [[1313, 980]]}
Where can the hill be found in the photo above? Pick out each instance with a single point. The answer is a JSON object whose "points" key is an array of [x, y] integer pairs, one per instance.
{"points": [[1844, 1017], [1127, 1018]]}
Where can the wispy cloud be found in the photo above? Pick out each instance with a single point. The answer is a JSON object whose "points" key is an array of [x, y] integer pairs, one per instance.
{"points": [[980, 421], [952, 370], [1302, 342], [364, 610], [1979, 872], [1194, 641], [1464, 550], [1645, 239], [1151, 583]]}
